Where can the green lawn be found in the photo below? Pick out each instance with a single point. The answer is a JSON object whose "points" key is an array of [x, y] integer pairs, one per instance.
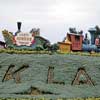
{"points": [[65, 68]]}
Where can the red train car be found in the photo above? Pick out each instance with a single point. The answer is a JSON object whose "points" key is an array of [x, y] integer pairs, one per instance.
{"points": [[76, 41]]}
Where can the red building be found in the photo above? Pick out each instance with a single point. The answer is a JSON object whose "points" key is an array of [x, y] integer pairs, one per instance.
{"points": [[76, 41]]}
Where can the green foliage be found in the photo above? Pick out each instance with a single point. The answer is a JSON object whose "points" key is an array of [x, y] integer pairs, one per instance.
{"points": [[8, 36], [39, 47], [55, 47], [23, 51]]}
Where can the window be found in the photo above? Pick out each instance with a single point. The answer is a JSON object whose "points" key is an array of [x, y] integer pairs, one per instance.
{"points": [[77, 38]]}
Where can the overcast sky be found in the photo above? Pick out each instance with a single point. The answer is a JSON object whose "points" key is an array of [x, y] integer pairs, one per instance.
{"points": [[53, 17]]}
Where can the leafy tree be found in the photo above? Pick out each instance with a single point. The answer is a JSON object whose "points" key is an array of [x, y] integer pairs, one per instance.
{"points": [[11, 46], [47, 45], [55, 47], [8, 36]]}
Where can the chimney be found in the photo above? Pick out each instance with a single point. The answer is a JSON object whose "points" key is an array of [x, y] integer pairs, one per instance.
{"points": [[92, 34], [19, 26], [86, 36]]}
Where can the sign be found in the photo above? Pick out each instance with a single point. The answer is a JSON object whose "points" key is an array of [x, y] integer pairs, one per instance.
{"points": [[25, 39]]}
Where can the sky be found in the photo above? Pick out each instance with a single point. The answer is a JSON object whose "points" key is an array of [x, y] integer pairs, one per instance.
{"points": [[53, 17]]}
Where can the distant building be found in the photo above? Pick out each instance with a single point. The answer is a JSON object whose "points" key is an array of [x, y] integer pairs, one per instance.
{"points": [[19, 28]]}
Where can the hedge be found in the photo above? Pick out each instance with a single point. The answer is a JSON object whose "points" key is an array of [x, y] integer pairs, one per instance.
{"points": [[93, 98]]}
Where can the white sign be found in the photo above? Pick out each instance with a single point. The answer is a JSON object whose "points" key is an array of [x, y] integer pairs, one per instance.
{"points": [[24, 39]]}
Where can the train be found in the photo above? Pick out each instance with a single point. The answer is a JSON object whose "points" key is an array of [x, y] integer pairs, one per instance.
{"points": [[75, 41]]}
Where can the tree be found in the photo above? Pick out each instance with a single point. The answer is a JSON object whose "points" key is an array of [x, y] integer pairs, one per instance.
{"points": [[47, 45], [8, 37], [54, 47], [39, 47]]}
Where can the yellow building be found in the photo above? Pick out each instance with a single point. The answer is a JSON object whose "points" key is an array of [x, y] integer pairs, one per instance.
{"points": [[64, 47]]}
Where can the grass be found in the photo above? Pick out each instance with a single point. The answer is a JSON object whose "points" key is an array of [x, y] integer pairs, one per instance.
{"points": [[65, 68]]}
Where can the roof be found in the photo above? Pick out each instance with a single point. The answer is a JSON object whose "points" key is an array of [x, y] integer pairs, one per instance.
{"points": [[42, 38], [92, 29], [64, 43], [74, 34]]}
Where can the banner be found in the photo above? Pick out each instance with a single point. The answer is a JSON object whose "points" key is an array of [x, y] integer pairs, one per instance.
{"points": [[25, 39]]}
